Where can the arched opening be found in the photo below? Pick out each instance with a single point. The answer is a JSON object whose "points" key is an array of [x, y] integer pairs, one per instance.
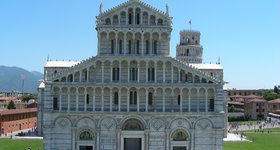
{"points": [[137, 15], [133, 97], [145, 18], [152, 20], [179, 135], [133, 125], [179, 99], [133, 140], [115, 20], [85, 135], [130, 16], [116, 98], [150, 98], [108, 21], [160, 22], [123, 18]]}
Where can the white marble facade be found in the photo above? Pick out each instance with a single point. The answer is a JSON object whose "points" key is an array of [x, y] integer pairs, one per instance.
{"points": [[133, 95]]}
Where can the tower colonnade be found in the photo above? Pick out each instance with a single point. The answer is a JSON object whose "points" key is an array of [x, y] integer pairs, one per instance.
{"points": [[135, 41]]}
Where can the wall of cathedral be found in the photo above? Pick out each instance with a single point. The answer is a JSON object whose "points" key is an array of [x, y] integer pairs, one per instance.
{"points": [[106, 131]]}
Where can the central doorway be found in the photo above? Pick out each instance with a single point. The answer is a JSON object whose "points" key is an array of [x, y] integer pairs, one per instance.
{"points": [[132, 143], [85, 148], [179, 148], [132, 135]]}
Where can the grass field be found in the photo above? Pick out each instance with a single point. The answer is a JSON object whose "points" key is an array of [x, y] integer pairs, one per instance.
{"points": [[261, 141], [12, 144]]}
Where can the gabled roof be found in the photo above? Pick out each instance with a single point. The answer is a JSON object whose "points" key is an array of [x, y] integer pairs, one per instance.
{"points": [[61, 63], [178, 63], [275, 101], [130, 3], [208, 66]]}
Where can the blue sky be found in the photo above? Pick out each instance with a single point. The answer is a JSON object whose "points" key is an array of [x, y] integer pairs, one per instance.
{"points": [[243, 33]]}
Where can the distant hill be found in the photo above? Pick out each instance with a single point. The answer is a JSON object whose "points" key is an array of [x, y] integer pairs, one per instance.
{"points": [[11, 79]]}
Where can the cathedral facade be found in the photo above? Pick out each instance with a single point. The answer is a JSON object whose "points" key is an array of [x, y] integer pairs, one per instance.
{"points": [[133, 95]]}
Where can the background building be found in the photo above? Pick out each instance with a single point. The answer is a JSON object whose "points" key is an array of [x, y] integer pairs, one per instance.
{"points": [[17, 119], [256, 109], [133, 95]]}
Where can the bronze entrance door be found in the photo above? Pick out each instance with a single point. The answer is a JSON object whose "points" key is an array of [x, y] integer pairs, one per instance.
{"points": [[179, 148], [85, 148], [132, 143]]}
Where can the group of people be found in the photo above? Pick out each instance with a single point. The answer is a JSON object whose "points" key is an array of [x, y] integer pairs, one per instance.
{"points": [[258, 126]]}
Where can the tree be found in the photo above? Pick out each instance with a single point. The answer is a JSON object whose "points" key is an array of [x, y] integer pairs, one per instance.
{"points": [[231, 108], [269, 94], [276, 90], [26, 98], [11, 105]]}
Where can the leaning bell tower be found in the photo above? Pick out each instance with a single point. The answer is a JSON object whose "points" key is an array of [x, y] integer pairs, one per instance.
{"points": [[189, 49]]}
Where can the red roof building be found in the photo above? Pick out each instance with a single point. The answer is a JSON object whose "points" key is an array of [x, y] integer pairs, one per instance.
{"points": [[17, 119]]}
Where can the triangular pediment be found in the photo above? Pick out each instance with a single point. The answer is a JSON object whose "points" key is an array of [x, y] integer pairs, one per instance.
{"points": [[133, 4]]}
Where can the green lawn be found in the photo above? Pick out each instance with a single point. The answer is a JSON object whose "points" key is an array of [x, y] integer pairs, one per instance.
{"points": [[12, 144], [261, 141]]}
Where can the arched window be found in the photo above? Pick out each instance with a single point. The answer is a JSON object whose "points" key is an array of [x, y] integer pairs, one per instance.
{"points": [[133, 98], [145, 18], [179, 99], [152, 20], [55, 106], [129, 46], [150, 98], [115, 20], [138, 11], [87, 99], [151, 74], [85, 135], [123, 18], [130, 16], [160, 22], [138, 47], [147, 46], [155, 46], [116, 98], [112, 47], [180, 135], [108, 21], [120, 46]]}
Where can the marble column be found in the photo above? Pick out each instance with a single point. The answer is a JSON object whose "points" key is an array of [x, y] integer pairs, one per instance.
{"points": [[163, 100], [181, 101], [60, 99], [85, 102], [102, 72], [124, 46], [111, 93], [163, 72], [127, 100], [119, 102], [147, 98], [206, 101], [68, 101], [93, 99], [138, 99], [111, 72], [155, 65], [77, 98], [102, 99]]}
